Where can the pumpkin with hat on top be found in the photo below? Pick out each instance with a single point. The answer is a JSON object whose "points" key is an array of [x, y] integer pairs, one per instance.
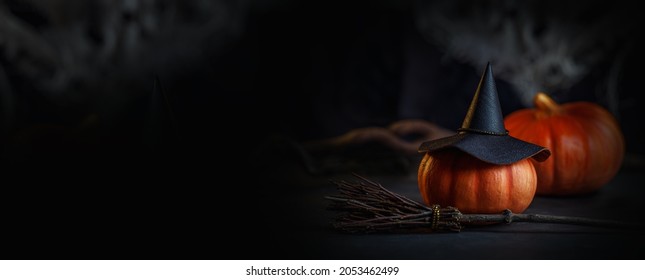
{"points": [[481, 169]]}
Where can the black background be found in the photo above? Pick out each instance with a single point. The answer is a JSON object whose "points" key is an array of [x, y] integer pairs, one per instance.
{"points": [[225, 185]]}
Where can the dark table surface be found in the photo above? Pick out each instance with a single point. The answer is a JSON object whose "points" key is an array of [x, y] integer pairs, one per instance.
{"points": [[296, 224], [274, 207]]}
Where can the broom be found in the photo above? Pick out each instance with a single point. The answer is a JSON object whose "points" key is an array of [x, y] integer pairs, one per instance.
{"points": [[370, 207]]}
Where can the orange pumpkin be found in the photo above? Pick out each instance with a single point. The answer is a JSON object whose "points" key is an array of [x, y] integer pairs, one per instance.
{"points": [[585, 140], [453, 178]]}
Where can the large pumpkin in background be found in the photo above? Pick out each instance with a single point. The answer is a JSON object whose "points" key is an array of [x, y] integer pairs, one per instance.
{"points": [[585, 140], [451, 177]]}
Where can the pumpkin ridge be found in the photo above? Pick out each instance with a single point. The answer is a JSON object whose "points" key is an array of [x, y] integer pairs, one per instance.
{"points": [[511, 183], [447, 180], [554, 140], [589, 157], [480, 194], [597, 129], [454, 165], [423, 166], [579, 184]]}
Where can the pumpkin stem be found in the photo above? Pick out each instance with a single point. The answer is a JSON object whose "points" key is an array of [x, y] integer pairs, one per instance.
{"points": [[545, 103]]}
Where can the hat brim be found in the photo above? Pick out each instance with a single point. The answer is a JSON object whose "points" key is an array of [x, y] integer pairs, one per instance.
{"points": [[495, 149]]}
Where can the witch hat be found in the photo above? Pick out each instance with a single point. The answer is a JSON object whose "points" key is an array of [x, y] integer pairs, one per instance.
{"points": [[483, 135]]}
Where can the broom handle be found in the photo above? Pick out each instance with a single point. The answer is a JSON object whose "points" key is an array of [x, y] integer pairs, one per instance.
{"points": [[510, 217]]}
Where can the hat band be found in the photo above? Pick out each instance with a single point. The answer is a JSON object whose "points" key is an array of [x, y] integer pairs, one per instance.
{"points": [[483, 131]]}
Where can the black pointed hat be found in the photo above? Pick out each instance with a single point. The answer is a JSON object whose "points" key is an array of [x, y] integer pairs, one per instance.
{"points": [[483, 135]]}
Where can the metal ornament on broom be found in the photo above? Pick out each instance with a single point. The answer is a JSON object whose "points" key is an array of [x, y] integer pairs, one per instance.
{"points": [[371, 207]]}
